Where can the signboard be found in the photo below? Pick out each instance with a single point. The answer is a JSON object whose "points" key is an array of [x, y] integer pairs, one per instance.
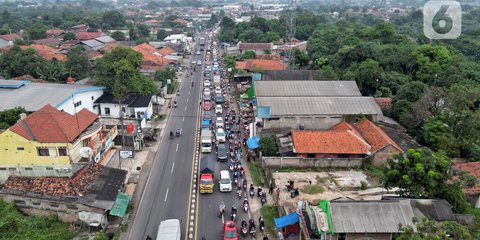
{"points": [[169, 81], [124, 154]]}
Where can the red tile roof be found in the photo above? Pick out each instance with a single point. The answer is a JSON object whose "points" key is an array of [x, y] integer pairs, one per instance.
{"points": [[241, 65], [255, 46], [329, 142], [344, 126], [262, 64], [50, 125], [55, 31], [181, 20], [150, 55], [384, 103], [82, 36], [46, 51], [56, 186], [375, 136], [166, 51], [472, 169], [11, 37], [48, 41], [145, 49]]}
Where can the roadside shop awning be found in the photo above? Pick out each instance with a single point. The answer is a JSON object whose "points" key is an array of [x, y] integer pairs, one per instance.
{"points": [[286, 220], [119, 208], [253, 142]]}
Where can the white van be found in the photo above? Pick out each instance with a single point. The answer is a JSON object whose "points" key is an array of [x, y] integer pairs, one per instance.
{"points": [[169, 230], [225, 182]]}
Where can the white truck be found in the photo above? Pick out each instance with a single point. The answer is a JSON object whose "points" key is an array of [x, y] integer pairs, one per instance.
{"points": [[169, 230], [206, 142], [216, 80]]}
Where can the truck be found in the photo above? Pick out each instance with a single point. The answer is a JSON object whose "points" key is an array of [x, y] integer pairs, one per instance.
{"points": [[202, 41], [207, 174], [216, 80], [169, 230], [206, 141]]}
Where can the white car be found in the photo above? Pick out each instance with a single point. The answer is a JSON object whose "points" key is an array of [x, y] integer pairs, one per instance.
{"points": [[218, 91], [199, 62], [207, 84], [218, 109], [206, 90], [220, 135], [219, 122]]}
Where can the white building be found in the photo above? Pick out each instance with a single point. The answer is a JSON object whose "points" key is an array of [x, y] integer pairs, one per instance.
{"points": [[138, 107], [70, 98]]}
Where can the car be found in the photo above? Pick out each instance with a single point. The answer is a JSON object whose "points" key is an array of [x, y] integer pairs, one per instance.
{"points": [[206, 83], [207, 115], [218, 91], [206, 91], [207, 106], [218, 109], [229, 231], [218, 99], [221, 135], [198, 52], [222, 152], [219, 122], [199, 62]]}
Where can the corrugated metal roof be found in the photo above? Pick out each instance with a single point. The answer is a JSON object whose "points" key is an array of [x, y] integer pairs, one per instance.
{"points": [[310, 106], [370, 216], [306, 88]]}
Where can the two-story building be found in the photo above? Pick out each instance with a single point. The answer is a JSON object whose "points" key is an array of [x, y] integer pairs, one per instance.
{"points": [[53, 143]]}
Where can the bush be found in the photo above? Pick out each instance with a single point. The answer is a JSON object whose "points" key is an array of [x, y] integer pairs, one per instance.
{"points": [[268, 146], [363, 185]]}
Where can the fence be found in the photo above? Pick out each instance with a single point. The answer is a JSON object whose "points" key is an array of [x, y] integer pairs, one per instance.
{"points": [[297, 162]]}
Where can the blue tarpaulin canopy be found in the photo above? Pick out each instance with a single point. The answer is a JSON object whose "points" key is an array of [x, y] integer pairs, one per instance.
{"points": [[253, 142], [286, 220]]}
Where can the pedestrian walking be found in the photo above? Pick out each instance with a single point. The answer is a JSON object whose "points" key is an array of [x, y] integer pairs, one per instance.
{"points": [[277, 199], [270, 189]]}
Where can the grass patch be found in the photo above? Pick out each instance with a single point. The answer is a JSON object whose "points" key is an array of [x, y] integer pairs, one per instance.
{"points": [[373, 172], [15, 225], [312, 189], [269, 213], [257, 173]]}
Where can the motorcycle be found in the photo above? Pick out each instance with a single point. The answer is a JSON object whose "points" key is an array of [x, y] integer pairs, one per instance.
{"points": [[244, 231], [233, 216], [294, 193], [261, 225], [239, 192], [222, 211], [252, 193], [231, 167], [263, 199], [175, 105], [244, 184], [171, 135], [245, 207]]}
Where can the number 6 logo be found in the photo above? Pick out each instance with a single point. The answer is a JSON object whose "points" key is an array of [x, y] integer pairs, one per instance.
{"points": [[442, 19]]}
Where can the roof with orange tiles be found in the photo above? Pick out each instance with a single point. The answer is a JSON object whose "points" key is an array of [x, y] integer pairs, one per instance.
{"points": [[384, 103], [55, 31], [329, 142], [145, 48], [156, 60], [50, 125], [375, 136], [472, 169], [181, 20], [255, 46], [46, 51], [11, 37], [166, 51], [87, 35], [241, 65], [262, 64], [344, 126]]}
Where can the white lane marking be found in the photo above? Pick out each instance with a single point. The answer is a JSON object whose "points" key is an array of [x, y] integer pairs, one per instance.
{"points": [[173, 165], [183, 120], [176, 150], [188, 92], [166, 195], [185, 108], [187, 99]]}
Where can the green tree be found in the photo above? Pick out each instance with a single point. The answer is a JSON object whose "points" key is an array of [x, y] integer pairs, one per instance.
{"points": [[430, 60], [143, 31], [118, 36], [367, 76], [53, 71], [9, 117], [114, 19], [37, 31], [268, 146], [438, 135], [69, 36], [118, 71], [164, 74], [77, 64], [249, 55], [161, 34], [427, 229], [17, 62]]}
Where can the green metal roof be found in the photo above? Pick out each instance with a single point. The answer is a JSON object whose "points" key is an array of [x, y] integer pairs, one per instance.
{"points": [[120, 206]]}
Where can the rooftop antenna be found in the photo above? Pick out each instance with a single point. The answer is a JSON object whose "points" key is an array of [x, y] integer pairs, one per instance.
{"points": [[290, 32]]}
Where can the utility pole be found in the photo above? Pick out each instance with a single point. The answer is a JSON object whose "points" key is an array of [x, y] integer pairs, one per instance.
{"points": [[290, 32]]}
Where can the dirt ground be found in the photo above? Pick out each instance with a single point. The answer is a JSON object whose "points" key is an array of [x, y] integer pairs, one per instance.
{"points": [[337, 184]]}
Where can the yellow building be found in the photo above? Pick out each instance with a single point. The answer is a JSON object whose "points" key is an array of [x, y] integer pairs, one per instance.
{"points": [[53, 143]]}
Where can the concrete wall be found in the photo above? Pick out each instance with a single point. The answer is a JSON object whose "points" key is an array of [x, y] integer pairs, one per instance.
{"points": [[281, 162], [365, 236], [86, 98], [381, 156], [311, 123]]}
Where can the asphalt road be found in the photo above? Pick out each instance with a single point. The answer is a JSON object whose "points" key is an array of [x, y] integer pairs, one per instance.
{"points": [[209, 225], [167, 191]]}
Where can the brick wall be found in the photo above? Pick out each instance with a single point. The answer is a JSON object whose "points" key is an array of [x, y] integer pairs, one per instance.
{"points": [[297, 162], [383, 154]]}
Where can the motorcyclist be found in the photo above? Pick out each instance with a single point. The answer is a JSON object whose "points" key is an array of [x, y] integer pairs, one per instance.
{"points": [[261, 222], [251, 224], [171, 133], [259, 191], [222, 206], [245, 201], [234, 209], [252, 188], [244, 223], [192, 84]]}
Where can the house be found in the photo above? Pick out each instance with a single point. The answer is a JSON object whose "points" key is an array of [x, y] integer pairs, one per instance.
{"points": [[80, 28], [46, 52], [134, 106], [55, 32], [314, 105], [254, 65], [258, 48], [176, 38], [8, 39], [69, 98], [183, 21], [329, 144], [152, 59], [293, 44], [49, 41], [82, 36], [277, 75], [472, 169], [52, 143], [88, 196]]}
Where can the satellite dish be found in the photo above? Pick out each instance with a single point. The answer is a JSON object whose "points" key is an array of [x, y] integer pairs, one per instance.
{"points": [[86, 152]]}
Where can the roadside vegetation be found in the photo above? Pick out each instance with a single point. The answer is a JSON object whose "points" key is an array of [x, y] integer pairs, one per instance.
{"points": [[269, 213], [257, 173]]}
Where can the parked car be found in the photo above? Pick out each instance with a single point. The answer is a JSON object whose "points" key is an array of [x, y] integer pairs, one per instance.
{"points": [[218, 109], [199, 62], [229, 231], [218, 90], [207, 115], [207, 106], [206, 83], [222, 152], [219, 122], [218, 99]]}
